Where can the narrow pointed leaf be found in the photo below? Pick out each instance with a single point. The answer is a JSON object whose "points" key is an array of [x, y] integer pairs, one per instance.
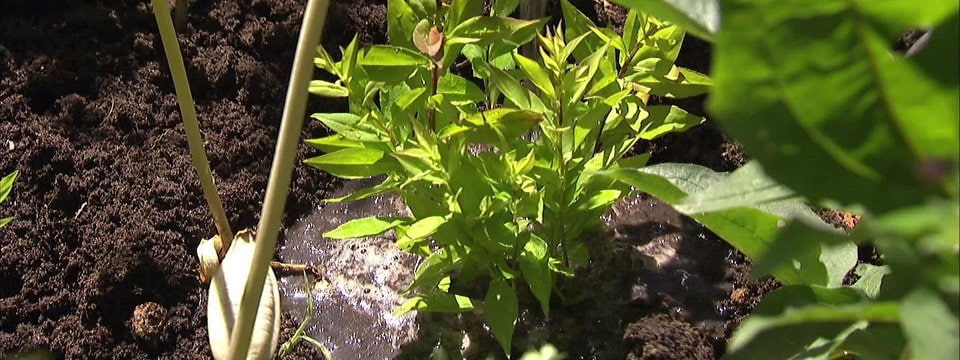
{"points": [[363, 227]]}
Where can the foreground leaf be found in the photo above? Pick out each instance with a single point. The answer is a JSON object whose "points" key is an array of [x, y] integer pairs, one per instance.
{"points": [[834, 101], [700, 17]]}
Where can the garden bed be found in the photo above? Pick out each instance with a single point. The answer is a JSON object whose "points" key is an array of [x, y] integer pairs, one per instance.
{"points": [[100, 260]]}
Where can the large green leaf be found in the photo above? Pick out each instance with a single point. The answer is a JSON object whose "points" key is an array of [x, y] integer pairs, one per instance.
{"points": [[829, 94], [500, 311], [754, 223], [355, 163], [799, 322], [931, 327], [746, 186]]}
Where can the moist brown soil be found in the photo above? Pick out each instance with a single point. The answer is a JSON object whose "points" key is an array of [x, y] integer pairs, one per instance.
{"points": [[100, 260]]}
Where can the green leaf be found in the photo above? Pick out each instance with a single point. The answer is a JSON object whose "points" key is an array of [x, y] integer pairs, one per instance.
{"points": [[333, 143], [509, 33], [871, 277], [500, 312], [504, 7], [462, 10], [931, 327], [805, 322], [6, 184], [355, 163], [536, 74], [665, 119], [388, 184], [535, 266], [363, 227], [700, 17], [401, 20], [832, 102], [425, 227], [392, 64], [576, 24], [746, 186], [327, 89], [437, 302], [510, 87], [349, 126], [660, 77], [801, 255], [5, 221], [488, 127]]}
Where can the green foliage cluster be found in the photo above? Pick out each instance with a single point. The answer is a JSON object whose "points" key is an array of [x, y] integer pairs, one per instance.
{"points": [[813, 90], [6, 184], [496, 153]]}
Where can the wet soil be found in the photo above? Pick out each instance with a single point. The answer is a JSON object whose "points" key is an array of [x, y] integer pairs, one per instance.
{"points": [[99, 262]]}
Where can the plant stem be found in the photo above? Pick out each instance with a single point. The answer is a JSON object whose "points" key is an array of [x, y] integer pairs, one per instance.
{"points": [[280, 173], [190, 124]]}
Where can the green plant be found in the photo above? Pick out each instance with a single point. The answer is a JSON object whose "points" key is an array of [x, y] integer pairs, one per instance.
{"points": [[498, 176], [6, 184], [813, 90]]}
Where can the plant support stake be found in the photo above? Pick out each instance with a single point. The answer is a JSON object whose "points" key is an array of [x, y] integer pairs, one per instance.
{"points": [[190, 124], [279, 184]]}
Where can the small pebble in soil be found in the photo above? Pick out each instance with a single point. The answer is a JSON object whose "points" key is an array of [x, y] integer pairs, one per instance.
{"points": [[148, 322]]}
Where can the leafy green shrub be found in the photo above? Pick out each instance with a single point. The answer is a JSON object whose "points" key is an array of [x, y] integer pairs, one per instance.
{"points": [[498, 170], [6, 184], [813, 90]]}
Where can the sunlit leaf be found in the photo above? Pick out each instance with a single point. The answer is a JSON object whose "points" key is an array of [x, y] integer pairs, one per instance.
{"points": [[363, 227], [355, 163]]}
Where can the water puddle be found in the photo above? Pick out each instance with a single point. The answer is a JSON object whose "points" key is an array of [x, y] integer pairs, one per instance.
{"points": [[653, 258], [354, 303]]}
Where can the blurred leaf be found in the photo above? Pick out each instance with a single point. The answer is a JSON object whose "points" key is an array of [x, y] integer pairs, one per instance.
{"points": [[802, 255], [363, 227], [504, 7], [801, 322], [932, 329], [871, 277], [832, 101], [699, 17]]}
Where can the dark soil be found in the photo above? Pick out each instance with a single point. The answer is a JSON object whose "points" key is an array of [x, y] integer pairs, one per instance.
{"points": [[100, 261]]}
